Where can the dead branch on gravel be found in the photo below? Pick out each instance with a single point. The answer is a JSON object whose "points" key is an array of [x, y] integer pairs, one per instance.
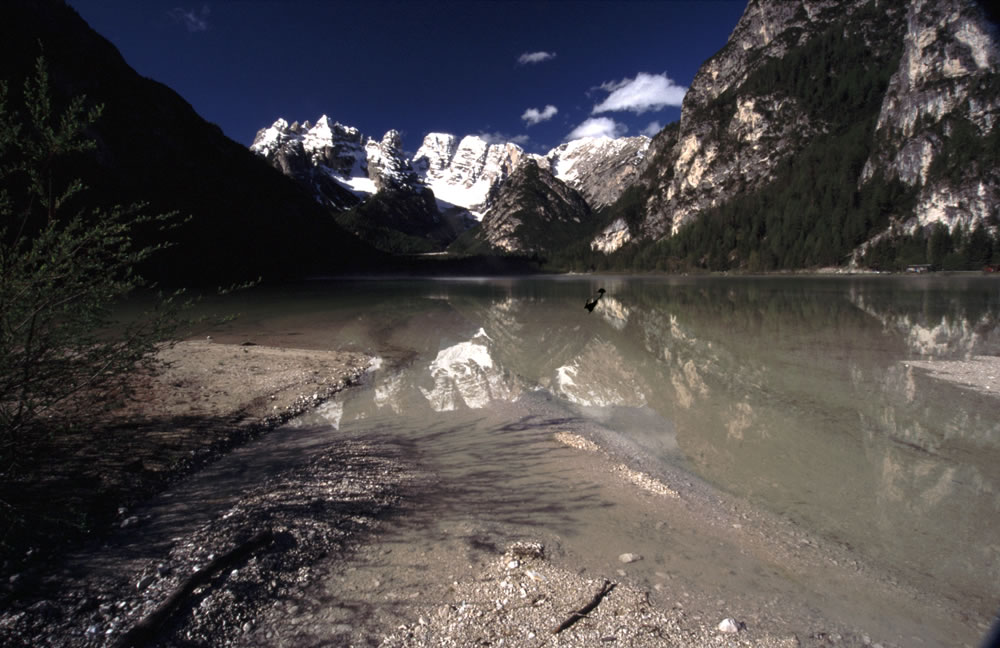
{"points": [[606, 588], [145, 630]]}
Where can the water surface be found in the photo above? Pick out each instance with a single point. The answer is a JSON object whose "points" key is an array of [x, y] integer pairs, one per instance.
{"points": [[795, 394]]}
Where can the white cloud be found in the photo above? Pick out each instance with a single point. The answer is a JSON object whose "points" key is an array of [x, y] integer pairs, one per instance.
{"points": [[652, 129], [535, 116], [644, 92], [503, 138], [192, 19], [535, 57], [596, 127]]}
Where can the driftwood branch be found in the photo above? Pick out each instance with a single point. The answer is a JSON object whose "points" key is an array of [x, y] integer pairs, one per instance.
{"points": [[145, 630], [582, 612]]}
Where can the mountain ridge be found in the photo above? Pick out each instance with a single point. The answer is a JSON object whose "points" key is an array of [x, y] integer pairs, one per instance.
{"points": [[824, 132], [882, 115], [462, 171]]}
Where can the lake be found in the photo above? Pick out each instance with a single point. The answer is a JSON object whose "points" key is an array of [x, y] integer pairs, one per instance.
{"points": [[811, 399]]}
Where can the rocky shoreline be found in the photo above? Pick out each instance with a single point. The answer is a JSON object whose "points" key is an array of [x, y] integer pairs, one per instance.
{"points": [[208, 400], [298, 558]]}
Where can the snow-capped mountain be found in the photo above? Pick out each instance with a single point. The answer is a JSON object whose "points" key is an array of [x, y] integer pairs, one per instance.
{"points": [[342, 166], [466, 172], [600, 168], [462, 173]]}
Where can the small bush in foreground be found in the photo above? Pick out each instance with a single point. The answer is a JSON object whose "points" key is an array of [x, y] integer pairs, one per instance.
{"points": [[63, 266]]}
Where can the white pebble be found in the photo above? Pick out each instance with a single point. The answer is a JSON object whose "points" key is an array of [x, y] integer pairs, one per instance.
{"points": [[728, 626]]}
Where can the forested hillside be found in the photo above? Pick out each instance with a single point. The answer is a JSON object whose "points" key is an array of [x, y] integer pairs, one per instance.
{"points": [[828, 192]]}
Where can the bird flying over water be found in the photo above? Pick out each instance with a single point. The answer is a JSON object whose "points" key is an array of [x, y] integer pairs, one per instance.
{"points": [[593, 302]]}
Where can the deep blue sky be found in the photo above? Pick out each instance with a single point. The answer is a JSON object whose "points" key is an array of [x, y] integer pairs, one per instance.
{"points": [[422, 66]]}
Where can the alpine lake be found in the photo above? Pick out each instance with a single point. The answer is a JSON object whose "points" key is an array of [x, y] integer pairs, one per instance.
{"points": [[821, 462]]}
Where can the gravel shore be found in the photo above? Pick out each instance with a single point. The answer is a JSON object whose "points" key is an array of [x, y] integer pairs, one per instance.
{"points": [[210, 399], [978, 373], [242, 567]]}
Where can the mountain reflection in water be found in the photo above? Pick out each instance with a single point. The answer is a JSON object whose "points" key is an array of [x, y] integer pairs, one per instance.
{"points": [[795, 393]]}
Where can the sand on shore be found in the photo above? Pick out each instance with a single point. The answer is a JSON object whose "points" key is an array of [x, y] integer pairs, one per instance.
{"points": [[247, 382]]}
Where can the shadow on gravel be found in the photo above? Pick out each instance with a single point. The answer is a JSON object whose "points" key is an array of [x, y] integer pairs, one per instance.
{"points": [[309, 492], [479, 487], [64, 487]]}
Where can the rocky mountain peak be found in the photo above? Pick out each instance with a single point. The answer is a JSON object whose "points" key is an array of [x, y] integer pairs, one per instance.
{"points": [[463, 172], [388, 166], [392, 141], [532, 211], [600, 168], [435, 154]]}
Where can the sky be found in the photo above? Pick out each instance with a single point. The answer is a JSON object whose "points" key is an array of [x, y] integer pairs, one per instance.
{"points": [[535, 73]]}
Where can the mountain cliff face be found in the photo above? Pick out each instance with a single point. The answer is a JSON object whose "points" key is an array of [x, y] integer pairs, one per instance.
{"points": [[462, 173], [532, 212], [936, 130], [740, 118], [600, 168], [630, 208], [837, 123]]}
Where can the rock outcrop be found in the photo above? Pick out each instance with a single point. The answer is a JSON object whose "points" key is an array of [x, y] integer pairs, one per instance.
{"points": [[943, 98]]}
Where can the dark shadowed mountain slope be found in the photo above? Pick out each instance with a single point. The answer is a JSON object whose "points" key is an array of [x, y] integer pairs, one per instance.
{"points": [[532, 212], [247, 218]]}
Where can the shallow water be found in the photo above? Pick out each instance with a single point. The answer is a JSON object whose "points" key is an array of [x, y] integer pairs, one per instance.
{"points": [[793, 394]]}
